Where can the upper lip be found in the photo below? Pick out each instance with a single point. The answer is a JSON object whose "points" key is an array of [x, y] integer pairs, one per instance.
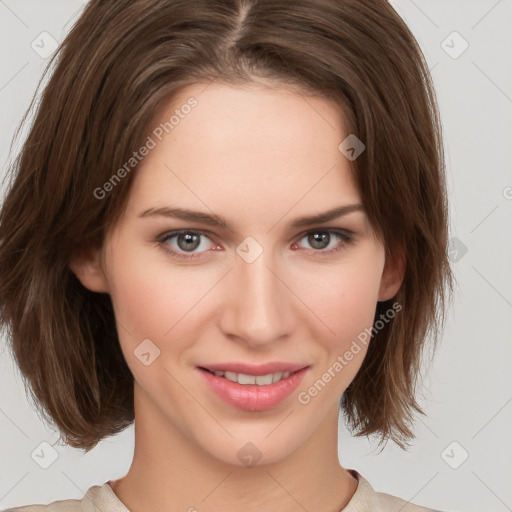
{"points": [[255, 369]]}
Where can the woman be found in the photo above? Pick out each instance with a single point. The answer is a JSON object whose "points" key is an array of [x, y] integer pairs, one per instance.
{"points": [[228, 221]]}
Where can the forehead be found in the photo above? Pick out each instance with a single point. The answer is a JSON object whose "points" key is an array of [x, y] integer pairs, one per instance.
{"points": [[256, 150]]}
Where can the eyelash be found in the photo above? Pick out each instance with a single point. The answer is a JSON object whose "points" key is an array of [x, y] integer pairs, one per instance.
{"points": [[346, 237]]}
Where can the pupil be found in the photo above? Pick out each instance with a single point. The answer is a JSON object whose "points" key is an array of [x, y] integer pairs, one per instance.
{"points": [[318, 240], [190, 241]]}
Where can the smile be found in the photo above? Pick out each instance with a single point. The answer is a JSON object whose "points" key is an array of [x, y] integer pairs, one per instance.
{"points": [[249, 392]]}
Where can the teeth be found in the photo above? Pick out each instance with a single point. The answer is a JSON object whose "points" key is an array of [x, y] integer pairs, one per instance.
{"points": [[246, 379], [261, 380], [231, 376], [277, 377], [264, 380]]}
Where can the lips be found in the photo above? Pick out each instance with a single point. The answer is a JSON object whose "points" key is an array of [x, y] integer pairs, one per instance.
{"points": [[253, 387]]}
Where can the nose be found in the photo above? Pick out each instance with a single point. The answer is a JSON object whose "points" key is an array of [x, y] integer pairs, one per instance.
{"points": [[258, 306]]}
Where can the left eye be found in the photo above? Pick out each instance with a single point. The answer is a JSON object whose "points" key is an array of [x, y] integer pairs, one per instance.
{"points": [[320, 240], [188, 241]]}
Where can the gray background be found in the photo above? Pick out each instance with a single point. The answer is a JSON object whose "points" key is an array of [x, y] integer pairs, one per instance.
{"points": [[468, 392]]}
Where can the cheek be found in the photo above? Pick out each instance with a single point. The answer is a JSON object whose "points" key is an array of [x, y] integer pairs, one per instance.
{"points": [[152, 298], [139, 301], [345, 298], [153, 301]]}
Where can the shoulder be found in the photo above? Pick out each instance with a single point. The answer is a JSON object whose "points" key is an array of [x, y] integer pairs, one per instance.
{"points": [[366, 499], [98, 497], [56, 506]]}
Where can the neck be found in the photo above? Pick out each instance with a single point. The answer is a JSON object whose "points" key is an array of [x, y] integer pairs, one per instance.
{"points": [[170, 472]]}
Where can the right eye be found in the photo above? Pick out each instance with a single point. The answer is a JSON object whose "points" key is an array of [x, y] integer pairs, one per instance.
{"points": [[182, 243]]}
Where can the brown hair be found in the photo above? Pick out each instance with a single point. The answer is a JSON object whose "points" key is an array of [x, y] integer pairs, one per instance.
{"points": [[119, 64]]}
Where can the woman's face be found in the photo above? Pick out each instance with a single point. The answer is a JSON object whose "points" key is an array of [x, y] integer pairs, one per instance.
{"points": [[259, 289]]}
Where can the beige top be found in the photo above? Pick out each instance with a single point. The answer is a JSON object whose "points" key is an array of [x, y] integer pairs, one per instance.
{"points": [[102, 498]]}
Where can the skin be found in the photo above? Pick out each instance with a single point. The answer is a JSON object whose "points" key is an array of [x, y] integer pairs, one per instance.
{"points": [[259, 157]]}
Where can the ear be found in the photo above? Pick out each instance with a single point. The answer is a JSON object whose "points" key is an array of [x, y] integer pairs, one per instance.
{"points": [[392, 275], [85, 263]]}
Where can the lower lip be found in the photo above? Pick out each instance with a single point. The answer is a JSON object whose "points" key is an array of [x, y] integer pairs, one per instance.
{"points": [[252, 397]]}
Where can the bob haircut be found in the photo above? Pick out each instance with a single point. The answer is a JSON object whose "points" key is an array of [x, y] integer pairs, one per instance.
{"points": [[120, 64]]}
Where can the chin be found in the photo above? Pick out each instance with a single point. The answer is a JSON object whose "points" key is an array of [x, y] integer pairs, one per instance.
{"points": [[246, 450]]}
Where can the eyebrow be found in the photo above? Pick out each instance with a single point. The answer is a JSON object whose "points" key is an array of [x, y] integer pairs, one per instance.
{"points": [[216, 221]]}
